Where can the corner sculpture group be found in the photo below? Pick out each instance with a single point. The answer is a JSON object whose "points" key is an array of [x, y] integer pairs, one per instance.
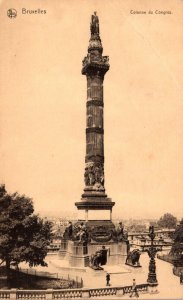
{"points": [[80, 234]]}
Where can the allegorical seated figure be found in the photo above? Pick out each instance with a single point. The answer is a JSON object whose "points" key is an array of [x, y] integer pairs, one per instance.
{"points": [[99, 259], [133, 258], [68, 233], [82, 234], [121, 233], [76, 233]]}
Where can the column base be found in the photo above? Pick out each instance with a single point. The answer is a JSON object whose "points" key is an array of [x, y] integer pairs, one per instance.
{"points": [[152, 288]]}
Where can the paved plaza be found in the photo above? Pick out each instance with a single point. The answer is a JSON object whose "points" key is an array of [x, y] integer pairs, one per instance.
{"points": [[121, 275]]}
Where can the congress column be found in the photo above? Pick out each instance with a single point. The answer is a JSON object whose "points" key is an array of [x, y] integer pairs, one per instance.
{"points": [[95, 66]]}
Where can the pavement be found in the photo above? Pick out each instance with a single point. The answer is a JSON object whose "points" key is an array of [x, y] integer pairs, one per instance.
{"points": [[121, 275]]}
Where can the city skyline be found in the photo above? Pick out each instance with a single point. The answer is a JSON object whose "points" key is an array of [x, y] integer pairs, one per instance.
{"points": [[43, 99]]}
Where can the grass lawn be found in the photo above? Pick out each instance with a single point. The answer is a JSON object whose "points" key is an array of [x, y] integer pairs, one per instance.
{"points": [[27, 281]]}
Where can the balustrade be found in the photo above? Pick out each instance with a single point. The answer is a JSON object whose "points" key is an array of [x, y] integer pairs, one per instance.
{"points": [[31, 294], [4, 294], [68, 293], [102, 292]]}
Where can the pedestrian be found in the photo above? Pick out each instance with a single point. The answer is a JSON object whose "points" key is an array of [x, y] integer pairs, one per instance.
{"points": [[134, 289], [108, 279]]}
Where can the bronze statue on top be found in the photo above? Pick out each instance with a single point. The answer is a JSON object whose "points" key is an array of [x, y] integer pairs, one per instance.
{"points": [[94, 25]]}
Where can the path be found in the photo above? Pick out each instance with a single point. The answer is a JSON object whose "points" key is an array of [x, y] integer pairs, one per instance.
{"points": [[169, 286]]}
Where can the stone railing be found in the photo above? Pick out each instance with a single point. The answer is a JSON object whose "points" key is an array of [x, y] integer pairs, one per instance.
{"points": [[69, 293], [6, 294], [40, 294]]}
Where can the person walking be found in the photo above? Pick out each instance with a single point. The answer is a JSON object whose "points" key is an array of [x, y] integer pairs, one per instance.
{"points": [[108, 279], [134, 289]]}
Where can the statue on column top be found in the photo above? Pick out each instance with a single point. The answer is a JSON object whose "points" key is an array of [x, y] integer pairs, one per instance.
{"points": [[94, 25]]}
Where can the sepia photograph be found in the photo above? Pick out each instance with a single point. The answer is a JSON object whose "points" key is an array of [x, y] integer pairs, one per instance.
{"points": [[91, 149]]}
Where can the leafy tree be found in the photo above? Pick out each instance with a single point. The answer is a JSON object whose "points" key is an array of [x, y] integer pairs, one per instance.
{"points": [[167, 221], [24, 236], [178, 234], [177, 247]]}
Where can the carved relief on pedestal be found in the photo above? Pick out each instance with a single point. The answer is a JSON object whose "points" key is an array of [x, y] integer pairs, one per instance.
{"points": [[94, 175], [101, 234]]}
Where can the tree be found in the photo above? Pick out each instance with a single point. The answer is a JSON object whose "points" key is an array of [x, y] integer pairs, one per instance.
{"points": [[167, 221], [24, 236], [177, 247]]}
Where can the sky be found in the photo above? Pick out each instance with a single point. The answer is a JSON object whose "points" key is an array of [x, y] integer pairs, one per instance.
{"points": [[43, 104]]}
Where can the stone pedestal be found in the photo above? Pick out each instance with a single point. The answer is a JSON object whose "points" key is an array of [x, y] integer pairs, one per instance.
{"points": [[75, 253], [78, 255], [63, 248], [116, 253]]}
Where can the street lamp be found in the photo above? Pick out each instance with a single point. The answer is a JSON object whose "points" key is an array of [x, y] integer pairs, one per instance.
{"points": [[152, 250]]}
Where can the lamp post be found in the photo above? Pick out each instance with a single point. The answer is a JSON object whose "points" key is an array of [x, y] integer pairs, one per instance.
{"points": [[152, 250]]}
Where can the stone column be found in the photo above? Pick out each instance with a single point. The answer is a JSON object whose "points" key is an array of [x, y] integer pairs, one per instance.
{"points": [[95, 66], [94, 159]]}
